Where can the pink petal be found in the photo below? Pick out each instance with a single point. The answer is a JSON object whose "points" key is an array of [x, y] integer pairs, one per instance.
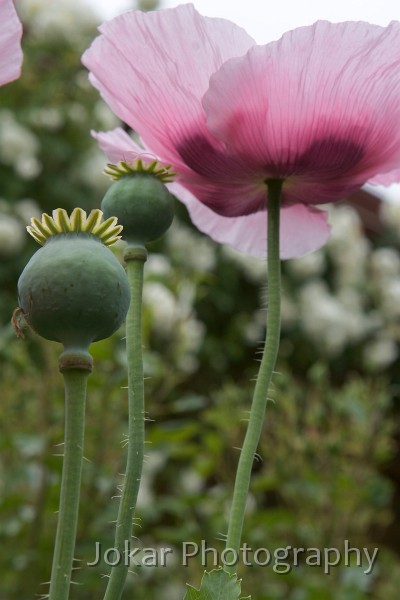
{"points": [[320, 107], [153, 69], [117, 145], [10, 43], [303, 229], [386, 178]]}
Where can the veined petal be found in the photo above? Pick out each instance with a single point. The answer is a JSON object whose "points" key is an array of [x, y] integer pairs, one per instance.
{"points": [[321, 104], [303, 229], [153, 69], [117, 145], [10, 43]]}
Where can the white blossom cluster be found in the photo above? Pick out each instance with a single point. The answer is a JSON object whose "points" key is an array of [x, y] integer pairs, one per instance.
{"points": [[171, 309], [193, 252], [19, 146], [348, 293], [390, 214], [344, 295], [13, 221], [64, 18]]}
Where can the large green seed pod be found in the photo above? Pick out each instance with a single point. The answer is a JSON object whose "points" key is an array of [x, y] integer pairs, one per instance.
{"points": [[74, 290], [140, 201]]}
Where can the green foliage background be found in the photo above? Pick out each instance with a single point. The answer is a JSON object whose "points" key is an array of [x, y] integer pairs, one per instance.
{"points": [[327, 470]]}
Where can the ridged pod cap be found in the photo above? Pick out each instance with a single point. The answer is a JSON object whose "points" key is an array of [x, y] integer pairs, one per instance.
{"points": [[74, 290], [140, 201]]}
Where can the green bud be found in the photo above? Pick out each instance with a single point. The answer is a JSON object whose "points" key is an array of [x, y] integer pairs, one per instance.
{"points": [[74, 290], [142, 204]]}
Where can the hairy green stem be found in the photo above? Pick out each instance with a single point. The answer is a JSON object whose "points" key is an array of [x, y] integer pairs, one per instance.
{"points": [[75, 380], [260, 397], [135, 258]]}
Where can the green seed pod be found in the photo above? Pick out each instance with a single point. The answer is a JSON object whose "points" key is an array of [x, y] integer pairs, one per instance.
{"points": [[74, 290], [140, 201]]}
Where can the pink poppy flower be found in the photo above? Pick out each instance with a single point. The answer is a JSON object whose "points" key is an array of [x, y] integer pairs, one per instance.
{"points": [[10, 43], [320, 109]]}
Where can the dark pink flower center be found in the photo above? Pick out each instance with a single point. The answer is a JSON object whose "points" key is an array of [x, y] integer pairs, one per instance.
{"points": [[206, 160], [327, 158]]}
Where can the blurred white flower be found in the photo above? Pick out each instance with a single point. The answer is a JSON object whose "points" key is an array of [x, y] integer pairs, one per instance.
{"points": [[157, 264], [18, 146], [50, 118], [154, 460], [173, 318], [82, 80], [27, 208], [289, 311], [346, 226], [359, 323], [77, 114], [162, 303], [192, 334], [384, 265], [90, 170], [65, 18], [107, 119], [347, 246], [191, 482], [28, 167], [190, 248], [185, 298], [379, 354], [254, 332], [331, 321], [310, 265], [323, 317], [390, 299], [390, 215], [12, 236]]}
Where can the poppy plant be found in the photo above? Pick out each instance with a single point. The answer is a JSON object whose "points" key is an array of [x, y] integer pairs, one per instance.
{"points": [[318, 109], [253, 130], [10, 43]]}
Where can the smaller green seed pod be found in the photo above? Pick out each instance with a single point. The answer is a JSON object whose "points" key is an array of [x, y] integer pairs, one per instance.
{"points": [[74, 290], [140, 201]]}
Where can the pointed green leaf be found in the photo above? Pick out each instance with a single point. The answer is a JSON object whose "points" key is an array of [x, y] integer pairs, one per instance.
{"points": [[216, 585]]}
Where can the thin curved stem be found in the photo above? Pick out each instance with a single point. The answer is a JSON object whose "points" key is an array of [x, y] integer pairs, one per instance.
{"points": [[135, 258], [260, 396], [75, 380]]}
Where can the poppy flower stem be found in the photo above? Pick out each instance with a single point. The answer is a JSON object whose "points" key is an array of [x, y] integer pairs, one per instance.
{"points": [[135, 257], [260, 397], [75, 399]]}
